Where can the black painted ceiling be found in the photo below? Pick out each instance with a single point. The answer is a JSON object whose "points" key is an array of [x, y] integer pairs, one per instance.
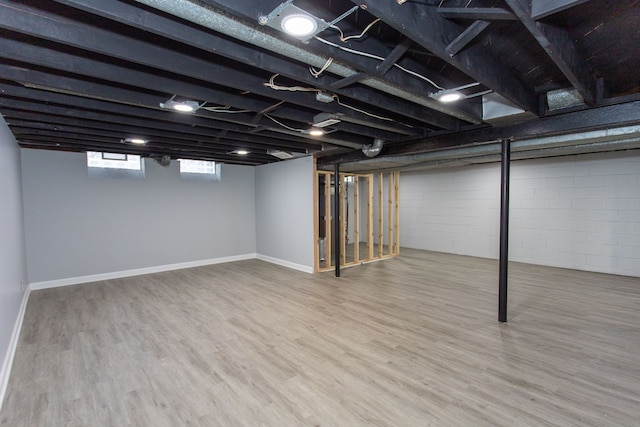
{"points": [[81, 75]]}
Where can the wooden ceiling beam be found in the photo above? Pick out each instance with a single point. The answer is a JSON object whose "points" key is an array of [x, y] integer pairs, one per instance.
{"points": [[605, 117], [543, 8], [467, 36], [558, 45], [241, 52], [250, 10], [426, 27], [56, 28], [475, 13]]}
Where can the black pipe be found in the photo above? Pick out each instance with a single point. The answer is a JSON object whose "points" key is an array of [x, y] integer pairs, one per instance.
{"points": [[336, 219], [504, 231]]}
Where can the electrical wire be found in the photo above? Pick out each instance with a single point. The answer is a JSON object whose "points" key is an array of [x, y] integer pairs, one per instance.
{"points": [[271, 85], [316, 73], [274, 86], [357, 36], [283, 125], [359, 110], [379, 58]]}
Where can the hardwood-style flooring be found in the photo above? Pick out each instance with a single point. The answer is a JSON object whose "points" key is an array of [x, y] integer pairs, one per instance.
{"points": [[410, 341]]}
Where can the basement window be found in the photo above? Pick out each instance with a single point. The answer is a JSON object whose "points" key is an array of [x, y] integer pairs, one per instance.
{"points": [[199, 170], [114, 165]]}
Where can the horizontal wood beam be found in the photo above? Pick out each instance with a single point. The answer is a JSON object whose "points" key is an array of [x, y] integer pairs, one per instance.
{"points": [[467, 36], [415, 87], [559, 46], [394, 56], [37, 23], [483, 13], [426, 27], [561, 124], [543, 8]]}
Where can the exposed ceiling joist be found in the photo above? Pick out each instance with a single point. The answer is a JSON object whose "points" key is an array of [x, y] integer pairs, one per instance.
{"points": [[472, 31], [543, 8], [229, 48], [346, 64], [80, 74], [584, 120], [483, 13], [558, 45], [79, 35], [425, 26]]}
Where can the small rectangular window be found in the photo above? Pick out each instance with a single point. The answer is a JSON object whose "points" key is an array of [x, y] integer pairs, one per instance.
{"points": [[202, 170], [116, 165]]}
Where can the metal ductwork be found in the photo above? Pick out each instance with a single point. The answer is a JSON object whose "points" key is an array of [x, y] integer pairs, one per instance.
{"points": [[372, 150], [207, 16], [621, 138]]}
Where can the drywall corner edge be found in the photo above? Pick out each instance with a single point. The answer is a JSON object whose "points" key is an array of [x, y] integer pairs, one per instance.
{"points": [[13, 345], [283, 263]]}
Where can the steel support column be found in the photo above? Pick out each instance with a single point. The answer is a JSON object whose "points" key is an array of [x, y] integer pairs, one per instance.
{"points": [[337, 241], [504, 230]]}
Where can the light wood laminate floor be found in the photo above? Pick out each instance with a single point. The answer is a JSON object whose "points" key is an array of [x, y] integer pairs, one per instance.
{"points": [[410, 341]]}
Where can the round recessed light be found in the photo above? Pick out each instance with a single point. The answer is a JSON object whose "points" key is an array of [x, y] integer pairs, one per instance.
{"points": [[316, 132], [186, 108], [242, 152], [299, 25], [135, 140], [450, 97]]}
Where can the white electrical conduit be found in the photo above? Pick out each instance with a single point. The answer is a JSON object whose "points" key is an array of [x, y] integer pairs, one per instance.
{"points": [[208, 17]]}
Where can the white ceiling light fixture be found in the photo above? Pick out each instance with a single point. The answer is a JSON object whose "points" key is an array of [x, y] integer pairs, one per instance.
{"points": [[297, 22], [451, 96], [299, 25], [186, 106], [139, 141], [316, 131], [322, 120], [455, 94], [240, 152]]}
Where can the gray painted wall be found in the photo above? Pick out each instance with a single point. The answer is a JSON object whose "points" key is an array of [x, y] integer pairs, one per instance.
{"points": [[80, 226], [13, 268], [284, 211]]}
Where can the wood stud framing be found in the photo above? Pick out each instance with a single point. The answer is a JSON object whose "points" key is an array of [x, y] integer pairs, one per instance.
{"points": [[364, 210]]}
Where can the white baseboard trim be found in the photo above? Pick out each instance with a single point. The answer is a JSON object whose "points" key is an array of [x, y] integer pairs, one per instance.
{"points": [[13, 344], [137, 272], [284, 263]]}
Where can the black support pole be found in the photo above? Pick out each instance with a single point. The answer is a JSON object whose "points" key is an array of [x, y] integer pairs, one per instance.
{"points": [[337, 240], [504, 231]]}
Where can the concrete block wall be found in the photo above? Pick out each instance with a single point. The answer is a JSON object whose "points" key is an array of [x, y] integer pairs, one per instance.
{"points": [[580, 212]]}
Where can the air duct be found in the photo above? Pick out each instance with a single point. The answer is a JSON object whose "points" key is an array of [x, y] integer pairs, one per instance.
{"points": [[372, 150], [164, 160]]}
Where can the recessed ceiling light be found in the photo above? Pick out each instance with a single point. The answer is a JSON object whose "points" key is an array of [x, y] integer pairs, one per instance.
{"points": [[316, 132], [299, 25], [182, 106], [295, 21], [450, 97], [135, 140]]}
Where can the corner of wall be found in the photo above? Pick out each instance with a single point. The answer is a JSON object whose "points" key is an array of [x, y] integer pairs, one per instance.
{"points": [[5, 373]]}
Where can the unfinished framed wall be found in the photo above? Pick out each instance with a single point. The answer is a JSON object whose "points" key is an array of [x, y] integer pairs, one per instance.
{"points": [[369, 218]]}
